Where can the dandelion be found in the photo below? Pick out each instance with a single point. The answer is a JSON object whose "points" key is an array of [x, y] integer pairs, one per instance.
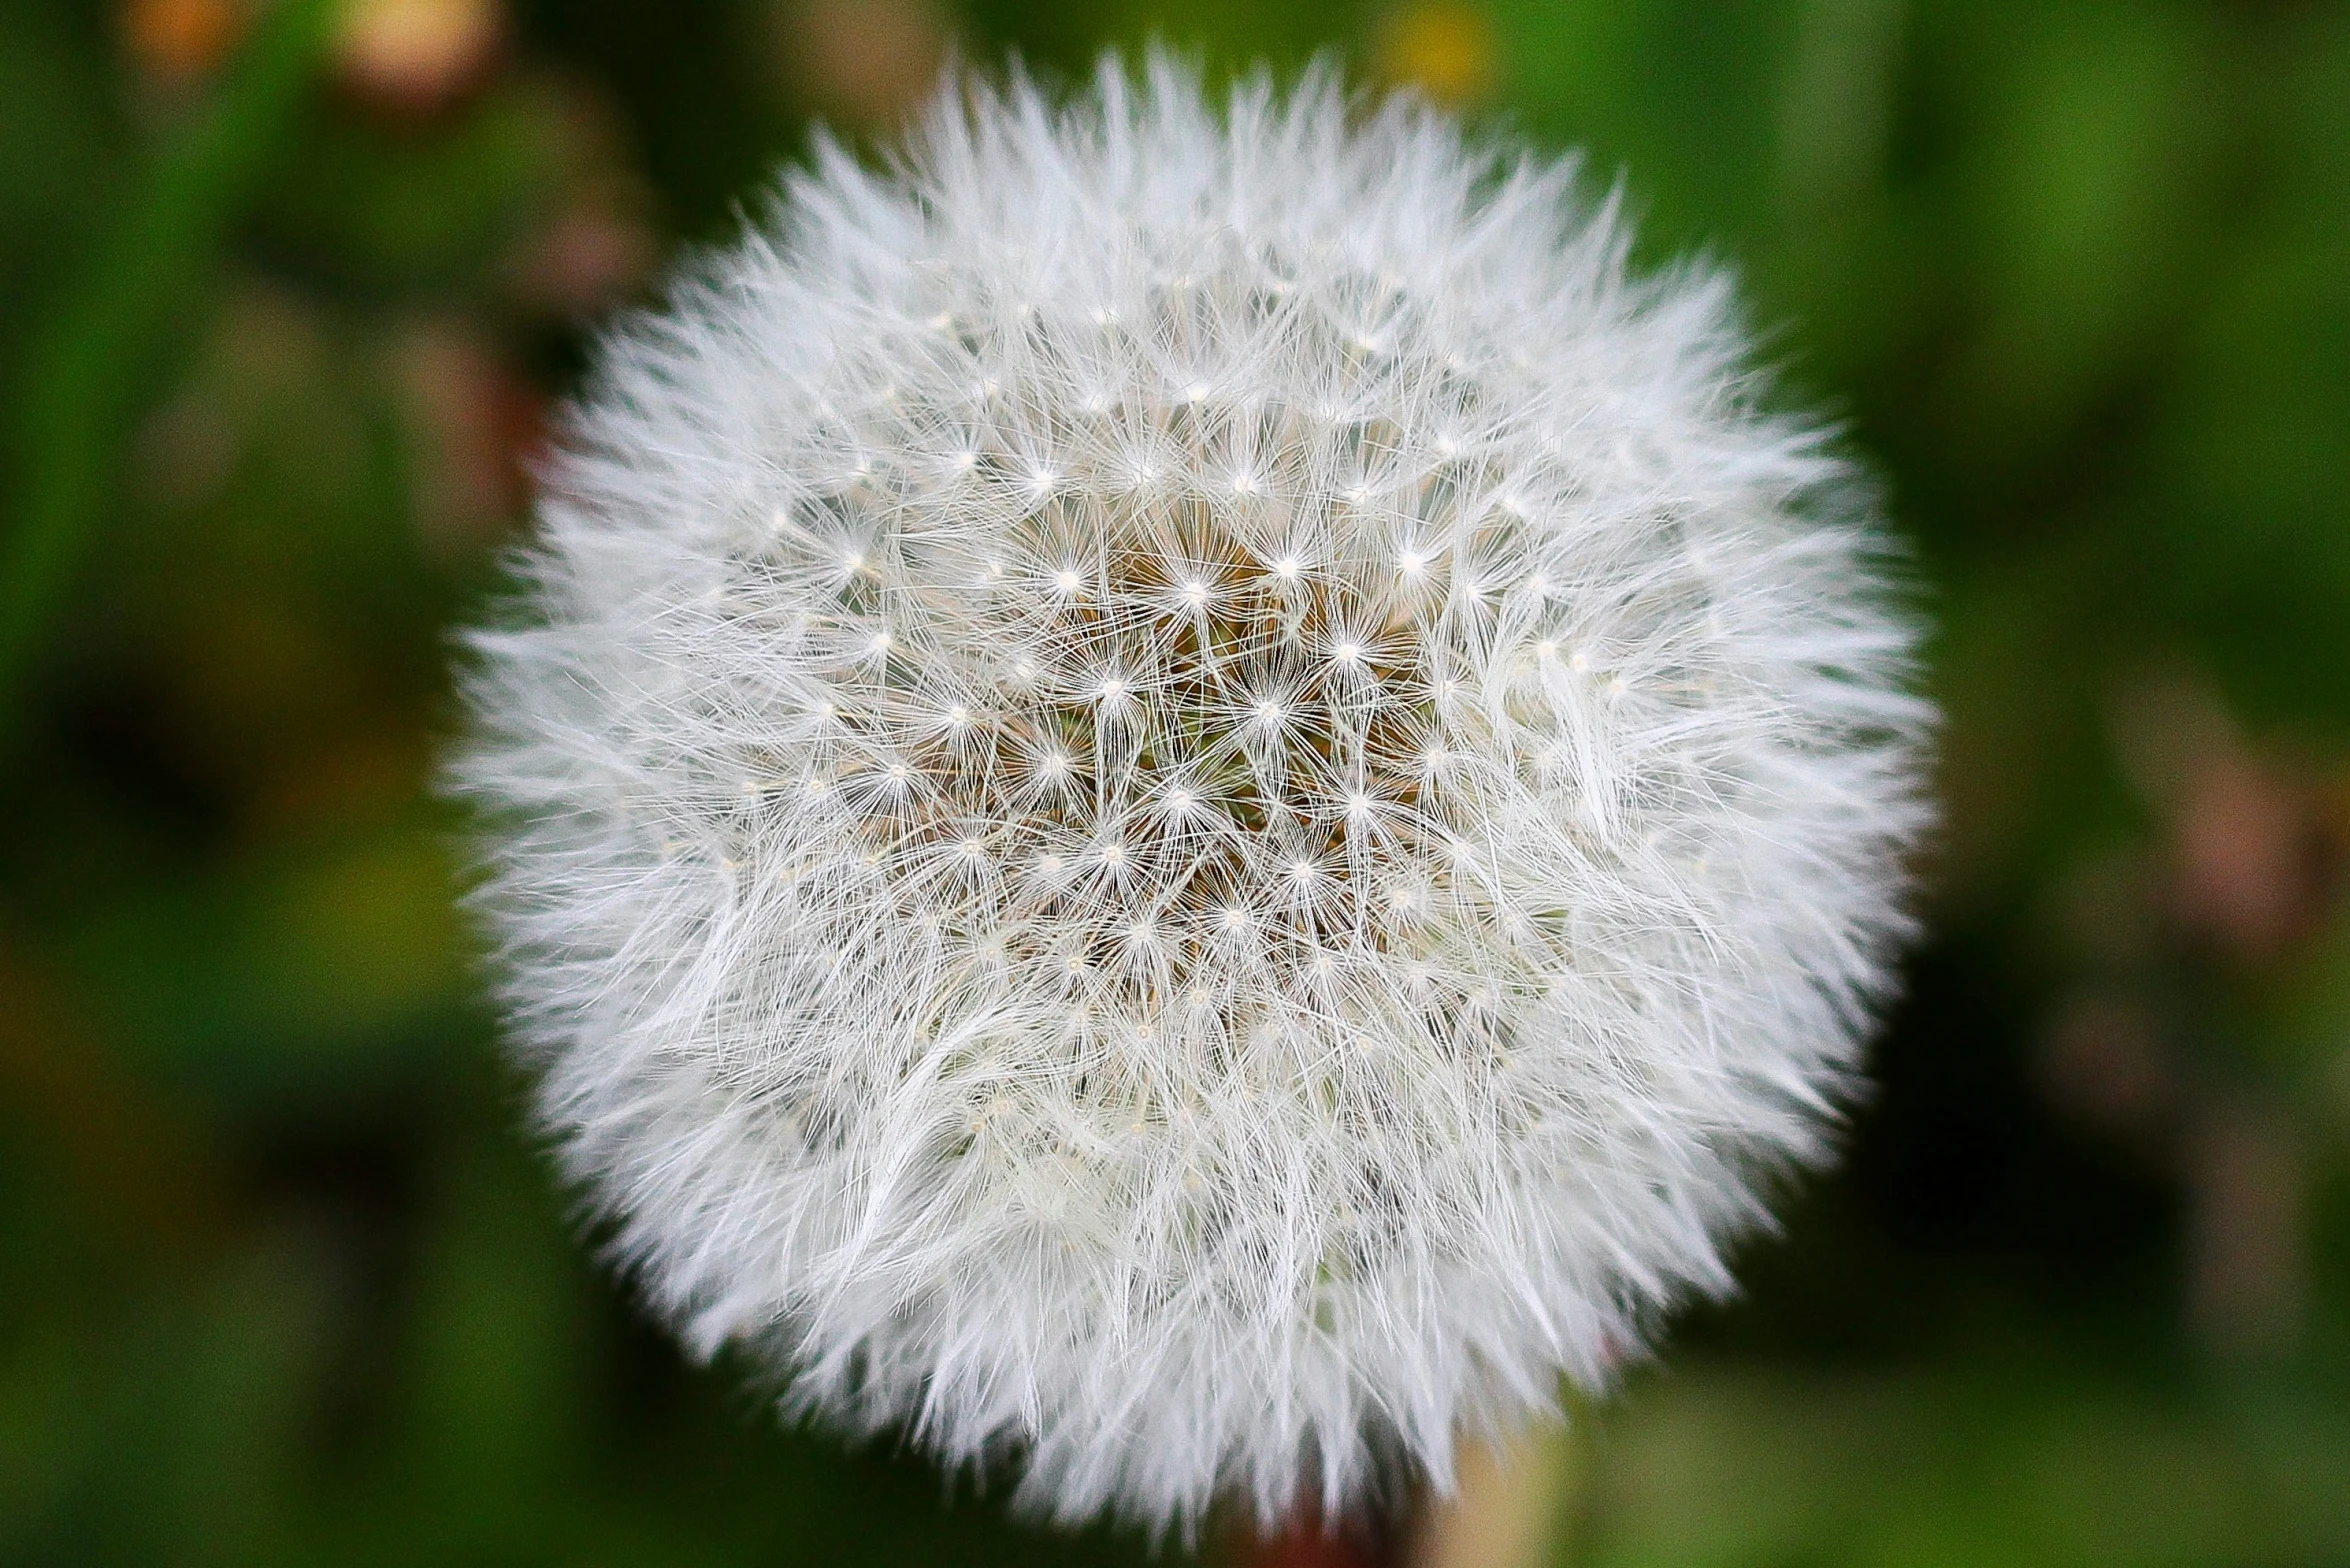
{"points": [[1188, 794]]}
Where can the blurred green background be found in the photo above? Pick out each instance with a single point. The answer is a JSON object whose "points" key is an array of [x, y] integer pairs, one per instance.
{"points": [[286, 290]]}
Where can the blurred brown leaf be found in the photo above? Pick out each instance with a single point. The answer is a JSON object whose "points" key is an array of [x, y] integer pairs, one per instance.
{"points": [[866, 62], [181, 39]]}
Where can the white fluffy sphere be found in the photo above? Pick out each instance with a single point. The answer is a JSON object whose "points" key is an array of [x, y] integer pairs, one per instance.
{"points": [[1186, 793]]}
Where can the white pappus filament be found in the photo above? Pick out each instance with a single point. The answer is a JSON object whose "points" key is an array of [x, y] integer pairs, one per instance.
{"points": [[1183, 791]]}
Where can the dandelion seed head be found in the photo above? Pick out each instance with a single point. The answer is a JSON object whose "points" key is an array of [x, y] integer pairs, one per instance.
{"points": [[1222, 1011]]}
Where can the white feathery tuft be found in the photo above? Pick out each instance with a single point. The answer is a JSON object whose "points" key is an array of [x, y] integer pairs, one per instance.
{"points": [[1187, 793]]}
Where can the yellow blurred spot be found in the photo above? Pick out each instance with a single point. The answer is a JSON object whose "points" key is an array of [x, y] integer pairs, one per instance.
{"points": [[181, 38], [1507, 1511], [1443, 47], [417, 54]]}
